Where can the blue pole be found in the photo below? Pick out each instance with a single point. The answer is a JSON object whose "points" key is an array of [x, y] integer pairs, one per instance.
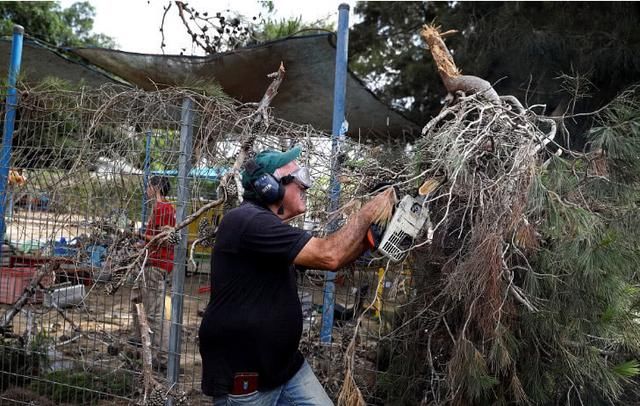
{"points": [[179, 268], [337, 135], [9, 122], [145, 180]]}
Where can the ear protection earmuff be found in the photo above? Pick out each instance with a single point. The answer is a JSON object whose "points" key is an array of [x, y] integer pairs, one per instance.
{"points": [[268, 189]]}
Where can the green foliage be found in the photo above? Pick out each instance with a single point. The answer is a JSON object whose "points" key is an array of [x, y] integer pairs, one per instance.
{"points": [[41, 142], [521, 47], [13, 362], [208, 87], [385, 50], [267, 5], [586, 272], [272, 29], [19, 362], [39, 350], [49, 22], [627, 369], [84, 387], [473, 374], [400, 374], [20, 365], [620, 142], [84, 192]]}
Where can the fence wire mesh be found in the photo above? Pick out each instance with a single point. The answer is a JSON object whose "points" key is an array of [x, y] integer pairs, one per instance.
{"points": [[75, 198]]}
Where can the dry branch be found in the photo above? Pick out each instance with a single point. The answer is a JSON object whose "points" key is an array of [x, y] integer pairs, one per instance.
{"points": [[62, 313], [213, 136], [194, 37], [154, 393], [147, 358], [261, 115], [350, 394], [487, 155]]}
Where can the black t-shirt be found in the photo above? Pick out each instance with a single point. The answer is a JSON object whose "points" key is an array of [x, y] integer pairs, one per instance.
{"points": [[253, 322]]}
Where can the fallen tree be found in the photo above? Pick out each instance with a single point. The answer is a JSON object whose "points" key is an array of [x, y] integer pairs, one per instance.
{"points": [[527, 291]]}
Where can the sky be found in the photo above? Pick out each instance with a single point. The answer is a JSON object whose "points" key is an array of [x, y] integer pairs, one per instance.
{"points": [[135, 24]]}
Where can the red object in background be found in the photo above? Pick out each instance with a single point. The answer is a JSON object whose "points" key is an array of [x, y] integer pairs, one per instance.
{"points": [[13, 281], [72, 273], [28, 261]]}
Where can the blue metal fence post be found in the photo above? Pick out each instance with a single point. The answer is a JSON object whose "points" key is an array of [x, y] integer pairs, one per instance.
{"points": [[145, 179], [177, 291], [338, 131], [9, 122]]}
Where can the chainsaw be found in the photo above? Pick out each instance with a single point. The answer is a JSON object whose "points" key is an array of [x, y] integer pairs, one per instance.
{"points": [[409, 217]]}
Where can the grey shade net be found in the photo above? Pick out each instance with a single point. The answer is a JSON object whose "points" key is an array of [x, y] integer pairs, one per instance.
{"points": [[305, 96]]}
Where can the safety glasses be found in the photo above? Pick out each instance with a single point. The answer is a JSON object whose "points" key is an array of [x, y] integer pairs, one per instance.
{"points": [[302, 177]]}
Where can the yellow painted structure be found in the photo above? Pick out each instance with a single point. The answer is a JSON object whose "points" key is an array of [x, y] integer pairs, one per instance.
{"points": [[214, 216], [379, 292]]}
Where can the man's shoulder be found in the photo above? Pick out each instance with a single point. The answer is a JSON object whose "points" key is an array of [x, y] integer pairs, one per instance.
{"points": [[246, 218], [247, 211]]}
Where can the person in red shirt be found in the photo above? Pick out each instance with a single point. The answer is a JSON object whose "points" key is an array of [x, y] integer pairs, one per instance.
{"points": [[163, 215], [151, 287]]}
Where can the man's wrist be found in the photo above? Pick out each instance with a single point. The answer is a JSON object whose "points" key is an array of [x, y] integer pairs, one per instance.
{"points": [[368, 211]]}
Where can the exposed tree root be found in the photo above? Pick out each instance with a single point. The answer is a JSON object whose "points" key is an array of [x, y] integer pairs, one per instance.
{"points": [[453, 80]]}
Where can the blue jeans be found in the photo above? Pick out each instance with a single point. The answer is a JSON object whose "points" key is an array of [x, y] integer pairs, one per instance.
{"points": [[301, 390]]}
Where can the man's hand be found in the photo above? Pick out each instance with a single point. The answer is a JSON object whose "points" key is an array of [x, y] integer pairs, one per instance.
{"points": [[380, 208], [348, 243]]}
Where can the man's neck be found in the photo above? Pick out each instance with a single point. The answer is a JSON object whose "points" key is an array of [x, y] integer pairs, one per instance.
{"points": [[278, 210]]}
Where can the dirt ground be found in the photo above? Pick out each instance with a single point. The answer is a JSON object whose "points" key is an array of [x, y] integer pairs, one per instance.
{"points": [[28, 228], [93, 335]]}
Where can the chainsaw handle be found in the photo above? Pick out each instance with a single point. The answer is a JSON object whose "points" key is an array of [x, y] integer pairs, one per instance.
{"points": [[374, 236], [370, 239]]}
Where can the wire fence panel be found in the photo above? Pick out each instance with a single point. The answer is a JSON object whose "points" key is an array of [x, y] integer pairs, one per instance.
{"points": [[75, 203]]}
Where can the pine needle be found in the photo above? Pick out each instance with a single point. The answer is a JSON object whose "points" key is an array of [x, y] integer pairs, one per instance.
{"points": [[350, 394]]}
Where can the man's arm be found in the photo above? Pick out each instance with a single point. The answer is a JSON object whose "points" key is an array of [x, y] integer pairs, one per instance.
{"points": [[348, 243]]}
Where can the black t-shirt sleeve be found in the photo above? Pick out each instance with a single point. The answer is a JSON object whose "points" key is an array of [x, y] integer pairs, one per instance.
{"points": [[267, 235]]}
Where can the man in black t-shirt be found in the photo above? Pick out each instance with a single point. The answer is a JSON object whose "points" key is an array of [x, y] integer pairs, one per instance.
{"points": [[252, 326]]}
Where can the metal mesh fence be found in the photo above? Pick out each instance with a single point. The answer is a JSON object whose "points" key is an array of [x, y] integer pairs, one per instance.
{"points": [[76, 198]]}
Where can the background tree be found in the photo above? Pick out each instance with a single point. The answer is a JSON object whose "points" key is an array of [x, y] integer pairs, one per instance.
{"points": [[214, 31], [527, 49], [272, 28], [387, 52], [71, 26], [49, 22]]}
